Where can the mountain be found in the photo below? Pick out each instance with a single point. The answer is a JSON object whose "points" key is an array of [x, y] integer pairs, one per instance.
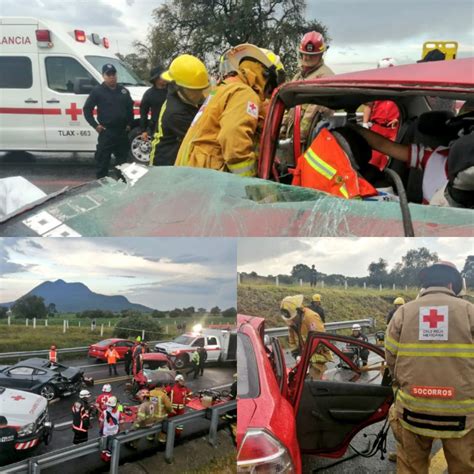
{"points": [[76, 297]]}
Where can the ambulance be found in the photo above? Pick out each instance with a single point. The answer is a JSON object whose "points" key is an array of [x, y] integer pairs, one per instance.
{"points": [[46, 74]]}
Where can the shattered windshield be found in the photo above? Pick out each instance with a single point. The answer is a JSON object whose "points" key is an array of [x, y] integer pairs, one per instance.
{"points": [[183, 201]]}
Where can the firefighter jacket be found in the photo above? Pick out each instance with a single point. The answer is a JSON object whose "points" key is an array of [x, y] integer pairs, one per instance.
{"points": [[325, 167], [162, 403], [80, 417], [430, 353], [179, 396], [223, 134], [145, 415], [307, 111], [298, 333]]}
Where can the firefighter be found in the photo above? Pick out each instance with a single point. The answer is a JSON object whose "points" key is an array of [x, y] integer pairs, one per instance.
{"points": [[53, 355], [112, 355], [152, 101], [188, 82], [315, 306], [397, 302], [224, 133], [114, 119], [81, 417], [179, 395], [300, 322], [311, 61], [428, 347], [163, 408], [111, 419]]}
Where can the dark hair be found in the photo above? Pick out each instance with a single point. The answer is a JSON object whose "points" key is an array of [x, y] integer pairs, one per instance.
{"points": [[3, 420]]}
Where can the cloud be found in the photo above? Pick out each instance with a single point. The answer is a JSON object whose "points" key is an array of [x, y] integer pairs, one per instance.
{"points": [[8, 266]]}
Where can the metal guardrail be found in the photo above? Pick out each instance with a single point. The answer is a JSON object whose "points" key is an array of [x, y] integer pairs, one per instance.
{"points": [[45, 352], [35, 464], [329, 327]]}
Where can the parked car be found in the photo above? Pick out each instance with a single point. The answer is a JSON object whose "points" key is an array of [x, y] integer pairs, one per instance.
{"points": [[283, 414], [99, 349], [219, 344], [190, 201], [42, 377], [28, 414]]}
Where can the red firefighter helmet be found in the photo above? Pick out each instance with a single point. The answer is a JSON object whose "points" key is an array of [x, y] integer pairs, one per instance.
{"points": [[312, 43]]}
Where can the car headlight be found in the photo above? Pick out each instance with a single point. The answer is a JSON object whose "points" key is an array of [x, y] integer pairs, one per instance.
{"points": [[260, 452], [149, 380], [26, 430]]}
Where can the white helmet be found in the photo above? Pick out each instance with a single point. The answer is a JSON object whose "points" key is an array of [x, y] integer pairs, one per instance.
{"points": [[356, 327], [84, 394], [386, 62], [111, 402], [107, 388], [179, 378]]}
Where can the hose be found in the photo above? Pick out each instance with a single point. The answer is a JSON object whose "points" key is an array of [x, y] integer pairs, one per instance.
{"points": [[406, 216]]}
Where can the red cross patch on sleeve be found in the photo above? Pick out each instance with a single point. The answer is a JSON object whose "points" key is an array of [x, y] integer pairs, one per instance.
{"points": [[252, 109]]}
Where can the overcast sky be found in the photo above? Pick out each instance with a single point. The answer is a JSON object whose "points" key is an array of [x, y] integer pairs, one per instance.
{"points": [[350, 257], [161, 273], [362, 31]]}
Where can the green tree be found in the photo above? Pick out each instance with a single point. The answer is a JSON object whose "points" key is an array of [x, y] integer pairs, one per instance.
{"points": [[216, 311], [3, 312], [30, 307], [176, 313], [378, 272], [206, 28], [138, 63], [229, 313], [158, 314], [52, 310], [301, 272], [414, 261], [468, 271], [132, 326]]}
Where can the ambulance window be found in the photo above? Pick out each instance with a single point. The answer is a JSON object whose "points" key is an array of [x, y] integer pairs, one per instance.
{"points": [[62, 72], [212, 341], [16, 73]]}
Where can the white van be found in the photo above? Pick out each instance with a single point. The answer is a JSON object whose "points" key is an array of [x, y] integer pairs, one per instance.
{"points": [[46, 74]]}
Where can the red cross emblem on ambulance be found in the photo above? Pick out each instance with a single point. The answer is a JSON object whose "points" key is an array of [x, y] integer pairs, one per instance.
{"points": [[74, 112], [17, 398], [433, 323]]}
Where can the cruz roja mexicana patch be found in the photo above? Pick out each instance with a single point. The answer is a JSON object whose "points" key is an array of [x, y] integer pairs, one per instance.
{"points": [[433, 323]]}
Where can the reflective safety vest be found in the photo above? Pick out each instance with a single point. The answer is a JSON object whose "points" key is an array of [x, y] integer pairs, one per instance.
{"points": [[53, 356], [112, 356], [325, 167], [80, 417]]}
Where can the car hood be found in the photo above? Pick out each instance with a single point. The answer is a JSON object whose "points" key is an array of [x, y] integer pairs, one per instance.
{"points": [[137, 92], [171, 346], [169, 201], [21, 408], [71, 373]]}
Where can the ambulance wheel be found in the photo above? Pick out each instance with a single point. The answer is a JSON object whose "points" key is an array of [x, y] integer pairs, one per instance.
{"points": [[181, 362], [139, 149], [48, 391]]}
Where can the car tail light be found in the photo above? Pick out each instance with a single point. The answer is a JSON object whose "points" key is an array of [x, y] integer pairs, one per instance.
{"points": [[260, 452], [80, 36], [105, 42]]}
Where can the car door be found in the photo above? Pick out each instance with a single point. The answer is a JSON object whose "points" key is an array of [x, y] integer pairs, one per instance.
{"points": [[213, 348], [21, 109], [351, 396], [64, 78], [19, 377]]}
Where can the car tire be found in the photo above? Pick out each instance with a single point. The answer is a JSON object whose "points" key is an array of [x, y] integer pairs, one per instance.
{"points": [[48, 391], [139, 149], [181, 362]]}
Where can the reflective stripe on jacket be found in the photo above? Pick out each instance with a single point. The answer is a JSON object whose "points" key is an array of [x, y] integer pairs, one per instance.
{"points": [[223, 135], [325, 167], [430, 353], [161, 402]]}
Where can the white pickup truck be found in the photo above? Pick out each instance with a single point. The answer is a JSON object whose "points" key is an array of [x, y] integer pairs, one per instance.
{"points": [[28, 414], [221, 346]]}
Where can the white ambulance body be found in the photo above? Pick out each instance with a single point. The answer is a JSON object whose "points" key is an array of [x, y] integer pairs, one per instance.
{"points": [[46, 74]]}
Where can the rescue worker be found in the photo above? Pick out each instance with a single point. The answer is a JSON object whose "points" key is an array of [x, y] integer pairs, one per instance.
{"points": [[311, 62], [111, 419], [223, 135], [101, 401], [300, 322], [188, 82], [357, 334], [383, 117], [397, 302], [163, 408], [313, 276], [448, 172], [428, 347], [315, 306], [8, 437], [112, 355], [179, 395], [128, 358], [151, 103], [81, 417], [53, 355], [114, 119], [137, 351], [194, 364], [202, 359]]}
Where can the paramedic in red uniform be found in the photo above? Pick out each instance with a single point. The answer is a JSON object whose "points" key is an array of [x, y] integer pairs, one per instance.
{"points": [[179, 395]]}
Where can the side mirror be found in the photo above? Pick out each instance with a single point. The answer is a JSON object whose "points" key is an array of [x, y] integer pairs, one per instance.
{"points": [[83, 85]]}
